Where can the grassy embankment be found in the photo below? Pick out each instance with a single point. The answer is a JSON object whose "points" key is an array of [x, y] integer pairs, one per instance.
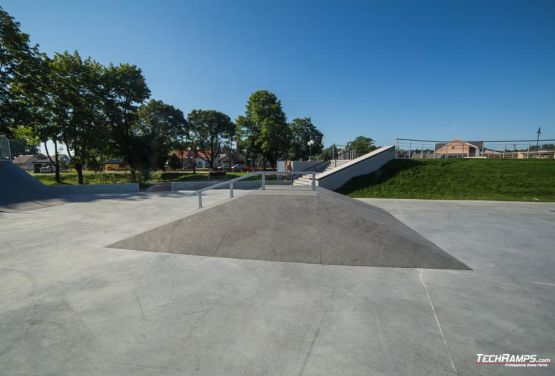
{"points": [[459, 179]]}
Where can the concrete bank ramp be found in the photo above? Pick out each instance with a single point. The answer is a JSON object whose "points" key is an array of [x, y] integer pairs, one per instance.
{"points": [[296, 226], [21, 191]]}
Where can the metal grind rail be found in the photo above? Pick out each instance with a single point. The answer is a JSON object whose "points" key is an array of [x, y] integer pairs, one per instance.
{"points": [[263, 174]]}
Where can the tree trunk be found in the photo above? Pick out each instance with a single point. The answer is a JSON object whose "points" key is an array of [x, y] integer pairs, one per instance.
{"points": [[133, 174], [247, 161], [55, 162], [79, 169], [57, 165], [129, 162]]}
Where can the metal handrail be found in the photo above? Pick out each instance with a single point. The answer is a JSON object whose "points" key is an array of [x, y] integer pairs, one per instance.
{"points": [[316, 165], [250, 175]]}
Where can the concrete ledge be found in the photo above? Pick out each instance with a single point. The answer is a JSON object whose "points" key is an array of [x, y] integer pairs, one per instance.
{"points": [[335, 178], [94, 189]]}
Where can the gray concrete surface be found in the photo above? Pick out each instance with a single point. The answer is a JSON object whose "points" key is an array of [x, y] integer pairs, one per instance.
{"points": [[71, 306], [319, 227]]}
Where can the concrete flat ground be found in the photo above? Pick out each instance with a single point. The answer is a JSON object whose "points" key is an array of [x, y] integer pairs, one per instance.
{"points": [[71, 306]]}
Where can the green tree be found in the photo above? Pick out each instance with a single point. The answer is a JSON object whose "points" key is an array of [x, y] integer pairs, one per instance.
{"points": [[174, 162], [26, 141], [76, 107], [303, 131], [124, 90], [159, 127], [264, 128], [329, 153], [246, 137], [208, 129], [362, 145], [23, 77]]}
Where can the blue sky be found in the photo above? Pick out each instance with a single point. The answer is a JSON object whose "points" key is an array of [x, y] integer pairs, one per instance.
{"points": [[383, 69]]}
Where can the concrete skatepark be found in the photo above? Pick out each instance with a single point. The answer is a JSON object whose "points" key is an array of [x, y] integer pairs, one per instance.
{"points": [[75, 303]]}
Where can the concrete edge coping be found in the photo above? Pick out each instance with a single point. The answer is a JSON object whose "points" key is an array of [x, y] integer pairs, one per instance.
{"points": [[355, 161]]}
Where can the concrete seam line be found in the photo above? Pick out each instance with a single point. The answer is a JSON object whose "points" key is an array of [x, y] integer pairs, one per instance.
{"points": [[400, 212], [420, 272]]}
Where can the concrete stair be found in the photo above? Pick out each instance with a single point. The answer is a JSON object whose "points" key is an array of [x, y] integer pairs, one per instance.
{"points": [[307, 179]]}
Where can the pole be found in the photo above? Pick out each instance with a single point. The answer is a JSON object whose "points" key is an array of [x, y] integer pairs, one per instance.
{"points": [[199, 199], [263, 181], [313, 180], [231, 190]]}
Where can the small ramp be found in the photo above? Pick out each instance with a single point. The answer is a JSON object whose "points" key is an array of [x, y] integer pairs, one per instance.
{"points": [[21, 191]]}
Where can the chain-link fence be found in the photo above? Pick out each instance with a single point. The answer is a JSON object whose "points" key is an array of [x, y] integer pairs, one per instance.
{"points": [[5, 152], [458, 148]]}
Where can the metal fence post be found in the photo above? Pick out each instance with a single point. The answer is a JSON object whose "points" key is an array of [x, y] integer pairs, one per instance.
{"points": [[231, 190], [313, 180], [199, 200], [263, 181]]}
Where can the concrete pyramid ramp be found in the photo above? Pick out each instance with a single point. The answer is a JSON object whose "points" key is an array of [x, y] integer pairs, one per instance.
{"points": [[19, 190], [296, 226]]}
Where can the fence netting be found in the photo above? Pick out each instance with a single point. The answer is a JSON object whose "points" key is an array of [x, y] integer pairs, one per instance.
{"points": [[459, 148]]}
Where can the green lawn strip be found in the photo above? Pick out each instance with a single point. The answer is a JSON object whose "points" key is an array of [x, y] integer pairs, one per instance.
{"points": [[89, 178], [462, 179], [125, 177]]}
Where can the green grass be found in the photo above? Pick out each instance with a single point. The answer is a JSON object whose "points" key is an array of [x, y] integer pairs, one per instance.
{"points": [[161, 176], [91, 177], [459, 179]]}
